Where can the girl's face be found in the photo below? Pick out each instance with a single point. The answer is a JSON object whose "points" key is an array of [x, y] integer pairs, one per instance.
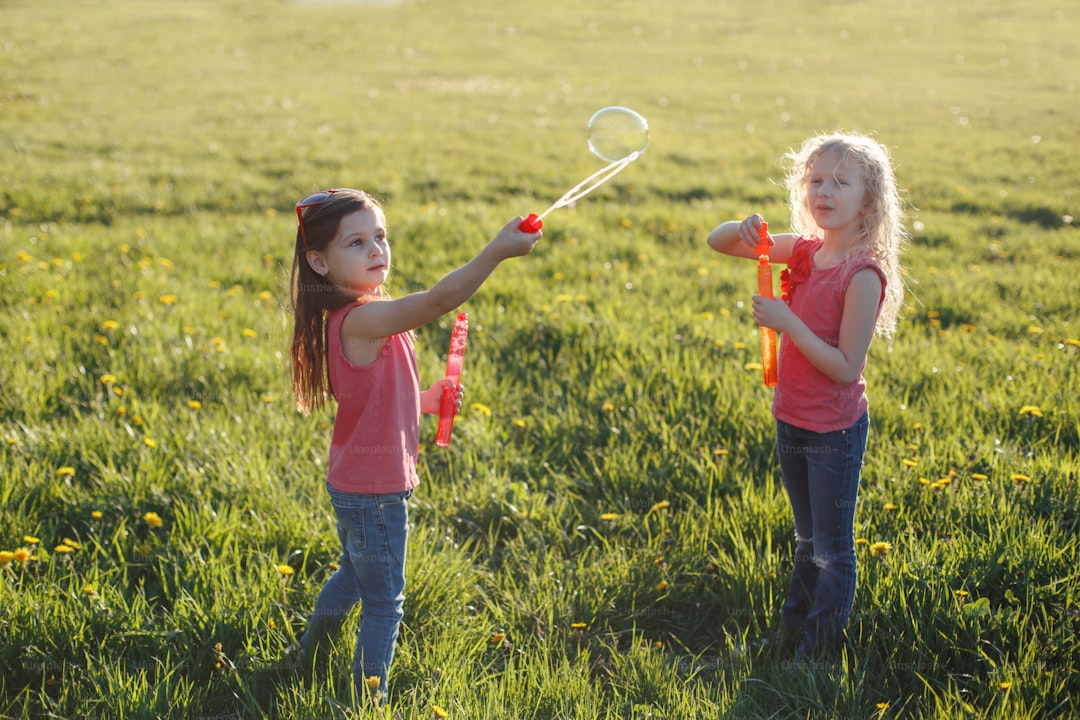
{"points": [[358, 258], [835, 193]]}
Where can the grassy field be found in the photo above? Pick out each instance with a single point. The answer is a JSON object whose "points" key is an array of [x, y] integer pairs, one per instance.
{"points": [[607, 537]]}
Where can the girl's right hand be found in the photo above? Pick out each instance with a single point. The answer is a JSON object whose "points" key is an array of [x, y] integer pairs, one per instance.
{"points": [[750, 231], [511, 242]]}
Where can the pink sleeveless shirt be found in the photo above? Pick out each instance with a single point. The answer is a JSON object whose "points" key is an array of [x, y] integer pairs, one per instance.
{"points": [[377, 428], [804, 396]]}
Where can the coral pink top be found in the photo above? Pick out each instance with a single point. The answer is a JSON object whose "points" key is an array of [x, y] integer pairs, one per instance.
{"points": [[377, 428], [804, 396]]}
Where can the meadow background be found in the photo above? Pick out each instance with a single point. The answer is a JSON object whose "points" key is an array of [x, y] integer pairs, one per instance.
{"points": [[607, 537]]}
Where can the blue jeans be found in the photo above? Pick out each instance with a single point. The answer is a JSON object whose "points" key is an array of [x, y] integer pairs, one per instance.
{"points": [[374, 532], [821, 477]]}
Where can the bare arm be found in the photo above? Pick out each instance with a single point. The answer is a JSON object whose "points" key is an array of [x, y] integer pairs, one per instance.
{"points": [[739, 238], [391, 317], [844, 363]]}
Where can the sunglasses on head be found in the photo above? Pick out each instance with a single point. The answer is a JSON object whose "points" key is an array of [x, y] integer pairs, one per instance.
{"points": [[314, 200]]}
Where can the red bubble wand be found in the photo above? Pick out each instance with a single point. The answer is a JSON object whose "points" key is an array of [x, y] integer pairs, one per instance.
{"points": [[765, 289], [615, 134], [448, 403]]}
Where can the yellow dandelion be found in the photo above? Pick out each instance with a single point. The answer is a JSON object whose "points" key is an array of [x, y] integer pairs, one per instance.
{"points": [[882, 707], [608, 517], [152, 519], [578, 626], [1031, 411], [194, 404], [979, 476], [248, 332], [1072, 341], [6, 556], [923, 481], [880, 549], [891, 506], [861, 541], [960, 593], [938, 485], [752, 366], [661, 586], [73, 544], [97, 514], [118, 391], [30, 540], [89, 589], [121, 411], [1021, 478], [108, 379], [519, 423], [658, 560], [101, 340], [285, 570], [481, 408], [909, 463], [24, 257], [373, 683], [1005, 685], [266, 296], [138, 294], [110, 325], [706, 315], [66, 471], [439, 712], [497, 638], [150, 442], [22, 555], [167, 300], [63, 549], [608, 407]]}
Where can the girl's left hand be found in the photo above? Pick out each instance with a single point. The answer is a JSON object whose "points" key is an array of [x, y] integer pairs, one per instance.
{"points": [[772, 313], [431, 398]]}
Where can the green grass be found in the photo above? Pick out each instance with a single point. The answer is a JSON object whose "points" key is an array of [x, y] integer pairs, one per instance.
{"points": [[152, 154]]}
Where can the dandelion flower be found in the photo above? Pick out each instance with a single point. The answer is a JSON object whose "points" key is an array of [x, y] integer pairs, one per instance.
{"points": [[1021, 478], [891, 506], [150, 442], [608, 407], [861, 541], [31, 540], [108, 379], [63, 549], [97, 514], [1031, 411], [1005, 685], [909, 463], [152, 519], [168, 300], [373, 683], [248, 332], [497, 638], [578, 626], [880, 549], [285, 570], [519, 423], [608, 517], [110, 325], [89, 589], [22, 555], [439, 712], [481, 408], [73, 544], [979, 476], [6, 556], [194, 404], [662, 586]]}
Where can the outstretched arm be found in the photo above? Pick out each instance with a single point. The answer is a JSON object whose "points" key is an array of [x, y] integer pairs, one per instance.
{"points": [[390, 317], [739, 238]]}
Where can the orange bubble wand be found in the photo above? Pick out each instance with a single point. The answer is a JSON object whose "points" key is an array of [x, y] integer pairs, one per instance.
{"points": [[765, 289]]}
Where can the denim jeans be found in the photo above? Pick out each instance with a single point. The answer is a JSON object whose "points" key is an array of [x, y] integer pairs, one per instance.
{"points": [[821, 477], [374, 531]]}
